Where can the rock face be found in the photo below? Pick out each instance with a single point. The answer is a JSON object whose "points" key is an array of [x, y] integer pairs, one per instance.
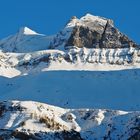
{"points": [[97, 32]]}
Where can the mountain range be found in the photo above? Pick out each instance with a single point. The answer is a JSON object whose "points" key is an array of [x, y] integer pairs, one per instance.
{"points": [[89, 69]]}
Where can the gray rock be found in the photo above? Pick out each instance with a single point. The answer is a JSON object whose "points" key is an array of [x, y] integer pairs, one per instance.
{"points": [[94, 35]]}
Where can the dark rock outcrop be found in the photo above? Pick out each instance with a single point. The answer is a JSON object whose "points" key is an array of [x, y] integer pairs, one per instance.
{"points": [[94, 35]]}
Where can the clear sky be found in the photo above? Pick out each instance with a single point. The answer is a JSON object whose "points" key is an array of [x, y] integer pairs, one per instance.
{"points": [[49, 16]]}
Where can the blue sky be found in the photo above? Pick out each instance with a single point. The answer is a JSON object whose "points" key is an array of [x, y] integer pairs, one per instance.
{"points": [[49, 16]]}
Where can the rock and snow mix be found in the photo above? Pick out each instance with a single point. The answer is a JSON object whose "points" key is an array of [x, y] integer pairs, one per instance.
{"points": [[40, 121], [95, 58], [82, 45]]}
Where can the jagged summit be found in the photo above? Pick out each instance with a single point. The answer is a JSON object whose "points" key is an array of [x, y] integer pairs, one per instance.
{"points": [[91, 31], [26, 31]]}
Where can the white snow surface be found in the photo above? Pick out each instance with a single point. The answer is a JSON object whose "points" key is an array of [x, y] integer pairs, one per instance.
{"points": [[76, 89], [18, 64], [27, 116]]}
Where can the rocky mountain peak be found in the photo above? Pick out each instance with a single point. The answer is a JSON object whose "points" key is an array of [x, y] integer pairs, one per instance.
{"points": [[96, 32]]}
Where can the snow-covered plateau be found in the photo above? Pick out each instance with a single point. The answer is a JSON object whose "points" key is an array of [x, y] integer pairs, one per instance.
{"points": [[89, 72]]}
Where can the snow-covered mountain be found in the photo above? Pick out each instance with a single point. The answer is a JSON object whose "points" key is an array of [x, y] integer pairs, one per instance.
{"points": [[88, 64], [38, 121], [25, 40], [88, 43]]}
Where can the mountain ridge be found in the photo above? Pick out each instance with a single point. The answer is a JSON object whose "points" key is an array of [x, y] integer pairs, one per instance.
{"points": [[94, 26]]}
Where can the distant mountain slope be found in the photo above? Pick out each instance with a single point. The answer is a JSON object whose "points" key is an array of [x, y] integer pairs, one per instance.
{"points": [[34, 120], [25, 40]]}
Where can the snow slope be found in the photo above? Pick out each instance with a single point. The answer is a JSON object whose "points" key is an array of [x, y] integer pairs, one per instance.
{"points": [[34, 120], [77, 89]]}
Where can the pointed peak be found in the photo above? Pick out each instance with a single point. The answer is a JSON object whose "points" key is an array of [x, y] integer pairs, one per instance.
{"points": [[26, 31]]}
